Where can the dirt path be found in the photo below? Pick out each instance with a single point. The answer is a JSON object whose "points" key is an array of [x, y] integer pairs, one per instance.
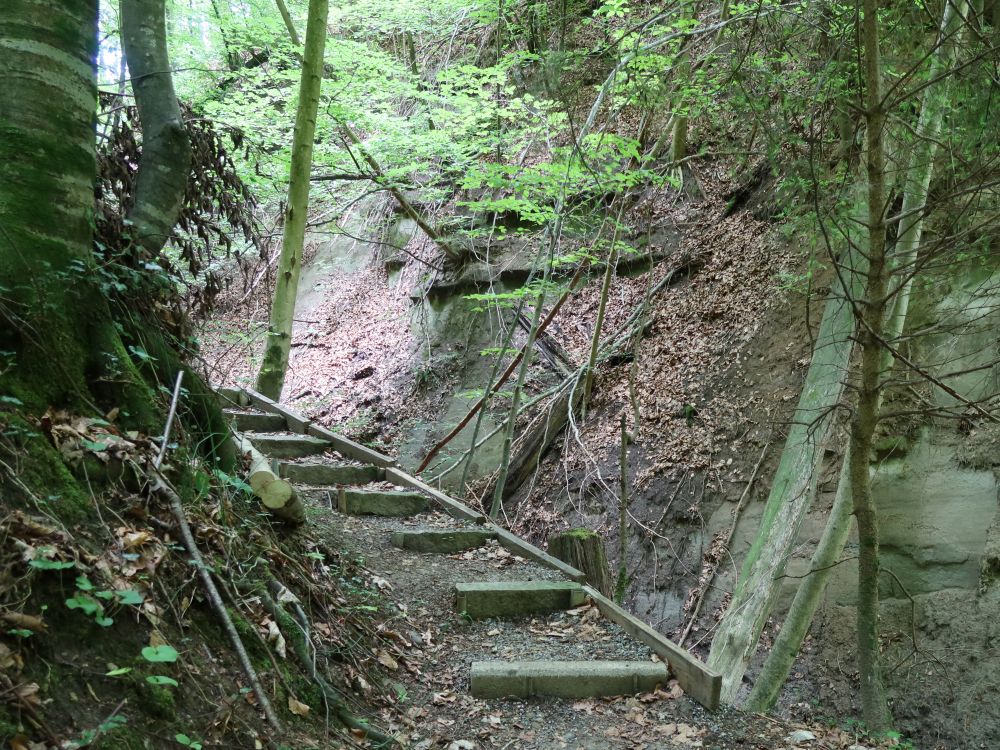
{"points": [[435, 646]]}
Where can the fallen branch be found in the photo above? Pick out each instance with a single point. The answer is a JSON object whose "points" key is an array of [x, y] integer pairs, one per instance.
{"points": [[160, 486], [725, 546]]}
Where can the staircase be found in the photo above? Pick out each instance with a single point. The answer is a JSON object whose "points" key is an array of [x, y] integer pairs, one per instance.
{"points": [[408, 522]]}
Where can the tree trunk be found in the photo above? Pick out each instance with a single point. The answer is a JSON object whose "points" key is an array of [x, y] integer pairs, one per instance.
{"points": [[584, 550], [166, 151], [53, 315], [917, 180], [793, 486], [289, 24], [271, 378], [498, 492], [595, 340], [874, 707]]}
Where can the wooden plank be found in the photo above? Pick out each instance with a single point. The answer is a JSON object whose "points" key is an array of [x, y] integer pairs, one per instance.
{"points": [[698, 681], [451, 506], [525, 549], [351, 449]]}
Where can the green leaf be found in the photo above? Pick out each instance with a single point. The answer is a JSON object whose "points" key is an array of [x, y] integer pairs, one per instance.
{"points": [[159, 679], [129, 596], [160, 653], [21, 632], [118, 672], [141, 353], [234, 482], [86, 604], [51, 565]]}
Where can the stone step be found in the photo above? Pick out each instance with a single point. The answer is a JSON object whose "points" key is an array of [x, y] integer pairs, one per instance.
{"points": [[287, 446], [255, 421], [446, 541], [329, 474], [374, 503], [516, 598], [565, 679]]}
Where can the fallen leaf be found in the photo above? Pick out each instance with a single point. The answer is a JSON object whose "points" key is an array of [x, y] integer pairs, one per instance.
{"points": [[387, 661], [297, 707]]}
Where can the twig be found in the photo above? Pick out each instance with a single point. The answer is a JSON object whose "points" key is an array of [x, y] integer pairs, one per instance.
{"points": [[100, 727], [161, 486], [725, 545], [170, 420]]}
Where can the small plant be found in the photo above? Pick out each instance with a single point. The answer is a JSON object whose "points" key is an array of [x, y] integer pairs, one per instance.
{"points": [[88, 598], [183, 739]]}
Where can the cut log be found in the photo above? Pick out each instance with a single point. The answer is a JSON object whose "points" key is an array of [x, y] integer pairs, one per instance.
{"points": [[276, 494], [584, 550]]}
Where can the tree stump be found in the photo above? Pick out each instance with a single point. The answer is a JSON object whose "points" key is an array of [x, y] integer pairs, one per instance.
{"points": [[584, 550]]}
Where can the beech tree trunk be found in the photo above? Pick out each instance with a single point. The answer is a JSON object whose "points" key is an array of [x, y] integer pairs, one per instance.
{"points": [[53, 315], [166, 150], [916, 181], [271, 378]]}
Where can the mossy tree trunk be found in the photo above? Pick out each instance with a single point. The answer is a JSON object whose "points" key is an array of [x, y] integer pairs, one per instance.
{"points": [[271, 378], [54, 317], [166, 150]]}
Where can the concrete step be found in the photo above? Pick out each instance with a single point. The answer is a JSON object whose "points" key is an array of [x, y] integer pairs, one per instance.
{"points": [[516, 598], [374, 503], [255, 421], [565, 679], [445, 541], [329, 474], [287, 446], [229, 396]]}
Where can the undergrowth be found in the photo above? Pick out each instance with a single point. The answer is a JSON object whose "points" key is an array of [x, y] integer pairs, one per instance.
{"points": [[107, 638]]}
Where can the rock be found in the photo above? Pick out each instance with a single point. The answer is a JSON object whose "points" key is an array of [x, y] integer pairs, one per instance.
{"points": [[799, 736]]}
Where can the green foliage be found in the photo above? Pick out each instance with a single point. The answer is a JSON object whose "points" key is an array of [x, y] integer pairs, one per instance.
{"points": [[160, 654]]}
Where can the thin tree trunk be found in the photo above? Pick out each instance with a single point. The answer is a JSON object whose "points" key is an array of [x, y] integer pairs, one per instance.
{"points": [[166, 151], [595, 340], [874, 707], [622, 582], [522, 375], [289, 24], [271, 378], [917, 180]]}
